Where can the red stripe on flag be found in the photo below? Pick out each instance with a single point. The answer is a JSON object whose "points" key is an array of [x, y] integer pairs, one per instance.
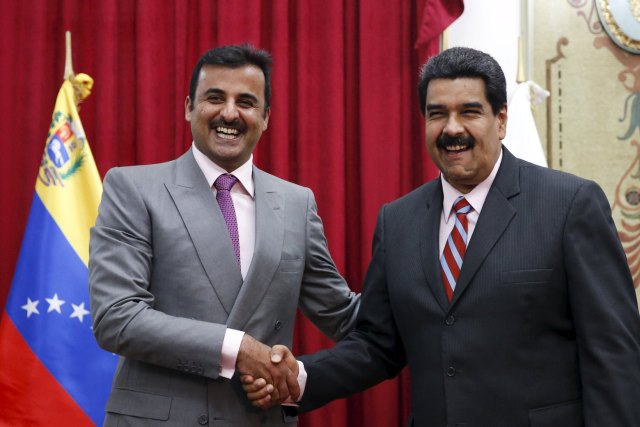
{"points": [[30, 395]]}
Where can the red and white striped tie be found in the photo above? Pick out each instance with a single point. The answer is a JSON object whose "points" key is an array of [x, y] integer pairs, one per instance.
{"points": [[453, 254]]}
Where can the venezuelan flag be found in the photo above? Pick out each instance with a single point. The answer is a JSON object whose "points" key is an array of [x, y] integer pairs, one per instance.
{"points": [[52, 372]]}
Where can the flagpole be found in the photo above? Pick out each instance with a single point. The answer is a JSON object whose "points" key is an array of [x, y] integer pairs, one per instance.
{"points": [[521, 76], [68, 66], [444, 40]]}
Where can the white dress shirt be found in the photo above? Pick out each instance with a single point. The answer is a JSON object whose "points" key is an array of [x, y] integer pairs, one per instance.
{"points": [[243, 197], [475, 197]]}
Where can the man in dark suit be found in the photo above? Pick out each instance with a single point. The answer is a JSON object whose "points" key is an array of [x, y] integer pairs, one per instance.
{"points": [[539, 327], [194, 261]]}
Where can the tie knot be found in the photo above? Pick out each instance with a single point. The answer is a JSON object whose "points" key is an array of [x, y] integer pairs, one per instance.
{"points": [[225, 182], [461, 206]]}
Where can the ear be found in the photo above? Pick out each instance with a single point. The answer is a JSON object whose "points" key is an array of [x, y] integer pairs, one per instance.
{"points": [[266, 119], [502, 122], [187, 109]]}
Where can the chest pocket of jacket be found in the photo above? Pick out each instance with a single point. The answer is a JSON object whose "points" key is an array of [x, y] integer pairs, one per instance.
{"points": [[291, 265], [522, 277]]}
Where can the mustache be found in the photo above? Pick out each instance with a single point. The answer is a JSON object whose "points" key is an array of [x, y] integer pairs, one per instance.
{"points": [[235, 124], [445, 141]]}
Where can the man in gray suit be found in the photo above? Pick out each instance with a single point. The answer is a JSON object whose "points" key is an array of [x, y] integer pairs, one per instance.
{"points": [[538, 328], [195, 262]]}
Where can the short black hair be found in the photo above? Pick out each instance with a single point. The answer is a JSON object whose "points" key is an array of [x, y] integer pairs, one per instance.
{"points": [[459, 62], [234, 56]]}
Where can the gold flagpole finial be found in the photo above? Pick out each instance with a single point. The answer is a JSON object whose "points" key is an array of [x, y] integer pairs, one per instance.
{"points": [[521, 74], [81, 83], [444, 40], [68, 66]]}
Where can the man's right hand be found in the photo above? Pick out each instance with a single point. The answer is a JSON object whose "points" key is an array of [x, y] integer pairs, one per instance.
{"points": [[260, 361]]}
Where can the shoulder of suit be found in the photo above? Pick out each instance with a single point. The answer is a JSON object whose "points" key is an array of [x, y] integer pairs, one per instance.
{"points": [[274, 181], [136, 172], [542, 175], [418, 195]]}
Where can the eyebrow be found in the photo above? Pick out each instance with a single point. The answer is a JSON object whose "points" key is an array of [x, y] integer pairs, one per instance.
{"points": [[477, 105], [473, 105], [217, 91], [435, 107]]}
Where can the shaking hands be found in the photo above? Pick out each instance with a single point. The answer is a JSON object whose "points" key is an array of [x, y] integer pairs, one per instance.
{"points": [[269, 376]]}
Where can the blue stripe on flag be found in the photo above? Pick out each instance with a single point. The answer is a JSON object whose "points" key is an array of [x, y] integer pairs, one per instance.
{"points": [[47, 266]]}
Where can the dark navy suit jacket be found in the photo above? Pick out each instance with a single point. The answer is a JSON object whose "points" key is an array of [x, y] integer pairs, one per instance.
{"points": [[543, 328]]}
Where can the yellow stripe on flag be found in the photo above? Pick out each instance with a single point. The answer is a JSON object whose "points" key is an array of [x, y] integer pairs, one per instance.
{"points": [[68, 181]]}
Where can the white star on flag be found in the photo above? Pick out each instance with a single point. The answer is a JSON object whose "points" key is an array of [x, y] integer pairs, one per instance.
{"points": [[31, 307], [78, 311], [54, 304]]}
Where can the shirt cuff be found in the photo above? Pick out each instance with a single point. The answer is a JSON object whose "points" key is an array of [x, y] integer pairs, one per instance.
{"points": [[230, 349], [302, 382]]}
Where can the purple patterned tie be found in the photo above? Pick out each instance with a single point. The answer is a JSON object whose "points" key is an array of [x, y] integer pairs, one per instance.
{"points": [[223, 185]]}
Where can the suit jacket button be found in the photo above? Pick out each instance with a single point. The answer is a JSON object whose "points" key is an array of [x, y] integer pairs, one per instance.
{"points": [[203, 419], [450, 320], [451, 371], [278, 325]]}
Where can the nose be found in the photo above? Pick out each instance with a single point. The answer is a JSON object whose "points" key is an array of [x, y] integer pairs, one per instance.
{"points": [[453, 126], [229, 111]]}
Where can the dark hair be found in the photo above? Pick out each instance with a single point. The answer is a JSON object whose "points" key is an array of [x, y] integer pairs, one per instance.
{"points": [[234, 56], [465, 62]]}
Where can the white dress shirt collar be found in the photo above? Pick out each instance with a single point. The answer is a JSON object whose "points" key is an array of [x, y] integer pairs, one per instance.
{"points": [[212, 171], [475, 197]]}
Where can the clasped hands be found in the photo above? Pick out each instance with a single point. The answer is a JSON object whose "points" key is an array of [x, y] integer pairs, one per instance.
{"points": [[269, 376]]}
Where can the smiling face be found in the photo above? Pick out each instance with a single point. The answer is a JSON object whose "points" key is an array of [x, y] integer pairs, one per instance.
{"points": [[228, 113], [462, 133]]}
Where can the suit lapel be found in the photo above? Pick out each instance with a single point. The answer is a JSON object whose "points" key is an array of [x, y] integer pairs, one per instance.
{"points": [[428, 226], [497, 213], [207, 229], [269, 202]]}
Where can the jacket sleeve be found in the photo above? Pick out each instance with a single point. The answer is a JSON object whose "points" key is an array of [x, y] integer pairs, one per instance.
{"points": [[369, 354], [122, 300], [604, 310], [325, 297]]}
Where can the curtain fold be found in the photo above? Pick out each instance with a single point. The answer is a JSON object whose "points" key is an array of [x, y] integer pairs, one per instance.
{"points": [[345, 119]]}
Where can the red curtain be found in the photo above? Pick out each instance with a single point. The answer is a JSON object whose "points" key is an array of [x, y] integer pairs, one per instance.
{"points": [[345, 119]]}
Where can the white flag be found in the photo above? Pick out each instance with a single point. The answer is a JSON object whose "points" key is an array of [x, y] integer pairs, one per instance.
{"points": [[522, 136]]}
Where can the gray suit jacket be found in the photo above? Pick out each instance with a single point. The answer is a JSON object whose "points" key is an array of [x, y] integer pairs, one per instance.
{"points": [[543, 329], [165, 285]]}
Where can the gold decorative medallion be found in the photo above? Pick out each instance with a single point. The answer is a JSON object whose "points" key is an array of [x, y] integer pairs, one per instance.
{"points": [[621, 20]]}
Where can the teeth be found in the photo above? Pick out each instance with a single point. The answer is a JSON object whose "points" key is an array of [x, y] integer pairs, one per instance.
{"points": [[227, 133], [456, 147]]}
